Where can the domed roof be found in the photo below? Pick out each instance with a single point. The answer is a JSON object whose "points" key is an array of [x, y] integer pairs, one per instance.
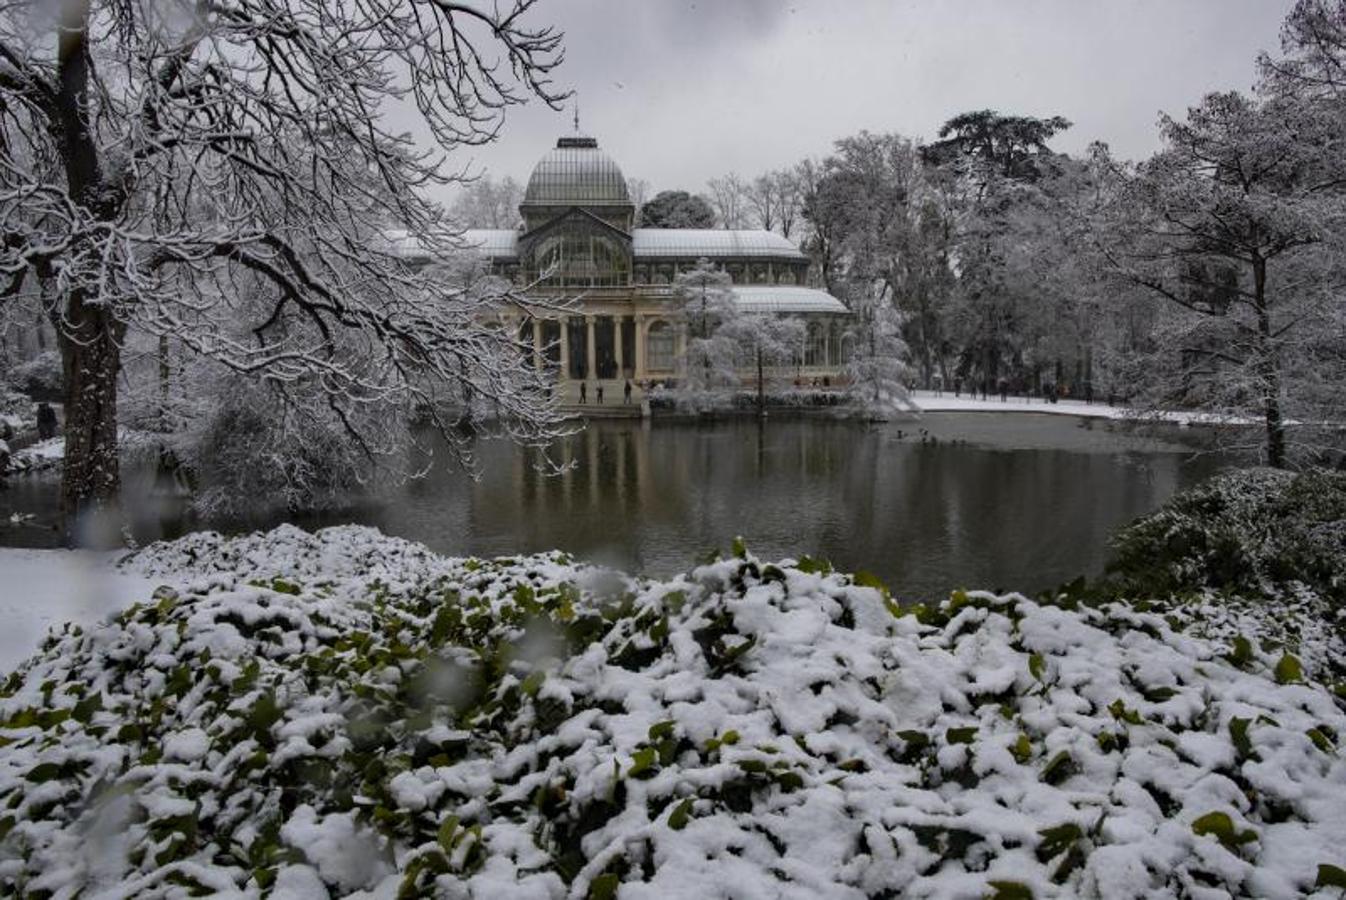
{"points": [[576, 173]]}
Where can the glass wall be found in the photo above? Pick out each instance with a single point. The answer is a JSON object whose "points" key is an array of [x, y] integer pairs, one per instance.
{"points": [[580, 255], [661, 344]]}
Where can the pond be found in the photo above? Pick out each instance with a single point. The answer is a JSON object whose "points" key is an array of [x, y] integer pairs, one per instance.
{"points": [[1012, 501]]}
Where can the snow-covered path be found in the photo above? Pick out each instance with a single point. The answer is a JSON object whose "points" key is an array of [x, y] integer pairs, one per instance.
{"points": [[947, 402], [929, 402], [42, 588]]}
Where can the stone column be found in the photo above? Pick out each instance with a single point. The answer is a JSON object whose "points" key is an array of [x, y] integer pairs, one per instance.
{"points": [[617, 323], [590, 349], [537, 343], [640, 348], [565, 349]]}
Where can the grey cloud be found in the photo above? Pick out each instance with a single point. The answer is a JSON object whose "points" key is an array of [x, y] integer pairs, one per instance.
{"points": [[680, 91]]}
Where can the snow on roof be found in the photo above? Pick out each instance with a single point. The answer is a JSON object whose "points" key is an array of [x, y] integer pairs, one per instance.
{"points": [[667, 243], [786, 299], [711, 242], [495, 242], [492, 242], [401, 242]]}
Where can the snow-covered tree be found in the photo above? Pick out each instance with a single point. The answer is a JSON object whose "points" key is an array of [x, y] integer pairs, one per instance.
{"points": [[157, 156], [876, 371], [704, 298], [1236, 223], [729, 198], [773, 200], [765, 344], [1313, 43], [487, 203], [638, 189]]}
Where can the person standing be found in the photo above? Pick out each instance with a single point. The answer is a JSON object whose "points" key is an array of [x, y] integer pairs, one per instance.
{"points": [[46, 421], [626, 392], [584, 392], [600, 393]]}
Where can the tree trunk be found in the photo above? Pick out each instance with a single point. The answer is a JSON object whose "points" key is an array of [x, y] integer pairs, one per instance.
{"points": [[91, 353], [1268, 370], [761, 386]]}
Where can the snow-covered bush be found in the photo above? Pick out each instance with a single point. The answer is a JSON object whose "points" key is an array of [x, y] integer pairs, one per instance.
{"points": [[346, 712], [17, 411], [42, 376], [1252, 532], [259, 451]]}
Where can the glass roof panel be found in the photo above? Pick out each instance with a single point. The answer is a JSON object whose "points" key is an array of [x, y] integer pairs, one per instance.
{"points": [[786, 299], [576, 173], [685, 243]]}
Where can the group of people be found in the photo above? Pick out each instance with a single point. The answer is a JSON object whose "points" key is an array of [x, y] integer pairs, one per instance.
{"points": [[1051, 392], [598, 392]]}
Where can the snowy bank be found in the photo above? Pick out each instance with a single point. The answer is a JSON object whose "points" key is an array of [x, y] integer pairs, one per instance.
{"points": [[928, 401], [349, 714], [42, 456], [40, 589]]}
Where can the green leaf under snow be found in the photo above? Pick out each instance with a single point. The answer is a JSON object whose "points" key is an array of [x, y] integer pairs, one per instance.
{"points": [[642, 761], [1010, 890], [1242, 653], [960, 735], [1288, 670], [447, 834], [677, 820], [1330, 876], [1058, 768], [604, 887], [1221, 827]]}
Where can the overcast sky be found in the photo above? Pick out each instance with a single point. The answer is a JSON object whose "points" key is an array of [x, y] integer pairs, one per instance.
{"points": [[679, 91]]}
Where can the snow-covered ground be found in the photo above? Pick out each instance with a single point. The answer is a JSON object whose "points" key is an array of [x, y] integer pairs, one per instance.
{"points": [[346, 714], [38, 457], [928, 401], [44, 588]]}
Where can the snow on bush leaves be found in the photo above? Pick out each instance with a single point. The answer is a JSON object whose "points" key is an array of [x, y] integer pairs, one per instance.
{"points": [[1255, 532], [349, 713]]}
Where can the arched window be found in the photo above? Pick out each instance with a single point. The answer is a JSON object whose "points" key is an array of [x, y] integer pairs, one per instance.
{"points": [[847, 348], [815, 347], [660, 343], [835, 332]]}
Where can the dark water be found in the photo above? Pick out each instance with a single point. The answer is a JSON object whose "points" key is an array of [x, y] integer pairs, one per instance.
{"points": [[1002, 501]]}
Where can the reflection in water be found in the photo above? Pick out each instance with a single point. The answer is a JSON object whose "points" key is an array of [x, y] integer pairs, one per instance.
{"points": [[1013, 502]]}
